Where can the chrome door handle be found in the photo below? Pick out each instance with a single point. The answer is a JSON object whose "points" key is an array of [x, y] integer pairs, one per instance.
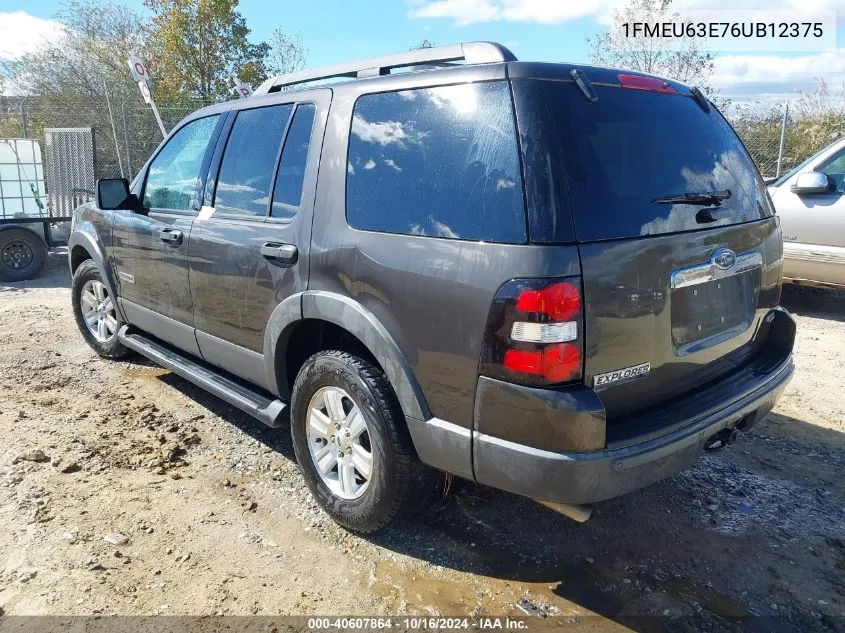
{"points": [[171, 236], [282, 253]]}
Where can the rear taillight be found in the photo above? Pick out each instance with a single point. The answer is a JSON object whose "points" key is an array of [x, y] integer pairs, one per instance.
{"points": [[535, 332]]}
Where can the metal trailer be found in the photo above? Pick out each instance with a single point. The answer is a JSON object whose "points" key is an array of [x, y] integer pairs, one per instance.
{"points": [[35, 211]]}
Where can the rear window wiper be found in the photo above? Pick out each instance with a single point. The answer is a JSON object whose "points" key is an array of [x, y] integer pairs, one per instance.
{"points": [[701, 199]]}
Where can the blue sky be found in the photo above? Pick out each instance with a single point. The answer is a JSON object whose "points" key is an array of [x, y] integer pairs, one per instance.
{"points": [[548, 30]]}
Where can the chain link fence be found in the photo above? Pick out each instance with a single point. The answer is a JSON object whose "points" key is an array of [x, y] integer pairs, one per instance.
{"points": [[124, 128], [782, 134], [778, 134]]}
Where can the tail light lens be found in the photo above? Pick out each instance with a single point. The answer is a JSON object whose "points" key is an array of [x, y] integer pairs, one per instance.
{"points": [[650, 84], [535, 332]]}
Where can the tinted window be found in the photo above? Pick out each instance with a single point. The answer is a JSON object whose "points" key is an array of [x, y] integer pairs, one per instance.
{"points": [[835, 169], [441, 162], [288, 190], [173, 174], [631, 147], [246, 172]]}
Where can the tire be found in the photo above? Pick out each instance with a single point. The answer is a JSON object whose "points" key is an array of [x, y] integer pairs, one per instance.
{"points": [[22, 254], [396, 475], [88, 283]]}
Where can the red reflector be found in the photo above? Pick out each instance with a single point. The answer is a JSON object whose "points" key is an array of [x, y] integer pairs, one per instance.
{"points": [[638, 82], [560, 301], [556, 363]]}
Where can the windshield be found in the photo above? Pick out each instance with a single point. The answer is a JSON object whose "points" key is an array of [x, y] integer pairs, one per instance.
{"points": [[631, 149]]}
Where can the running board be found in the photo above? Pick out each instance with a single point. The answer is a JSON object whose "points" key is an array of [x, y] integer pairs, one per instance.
{"points": [[273, 413]]}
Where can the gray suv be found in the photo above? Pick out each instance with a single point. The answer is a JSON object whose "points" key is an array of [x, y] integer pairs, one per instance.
{"points": [[557, 280]]}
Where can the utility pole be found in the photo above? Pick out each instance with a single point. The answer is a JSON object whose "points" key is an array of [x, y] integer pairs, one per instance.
{"points": [[782, 136], [23, 116]]}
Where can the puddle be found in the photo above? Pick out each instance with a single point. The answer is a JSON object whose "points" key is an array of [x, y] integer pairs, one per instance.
{"points": [[415, 591], [432, 591], [688, 593]]}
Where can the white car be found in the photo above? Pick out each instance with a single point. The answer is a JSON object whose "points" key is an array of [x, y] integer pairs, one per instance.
{"points": [[810, 201]]}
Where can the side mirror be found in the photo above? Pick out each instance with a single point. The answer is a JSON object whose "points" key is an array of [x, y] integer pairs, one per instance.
{"points": [[113, 193], [811, 182]]}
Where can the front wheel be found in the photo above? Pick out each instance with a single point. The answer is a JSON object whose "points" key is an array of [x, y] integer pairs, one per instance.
{"points": [[351, 442], [95, 311]]}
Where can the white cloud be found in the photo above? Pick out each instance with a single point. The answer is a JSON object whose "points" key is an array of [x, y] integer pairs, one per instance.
{"points": [[739, 76], [384, 133], [551, 11], [464, 12], [22, 33]]}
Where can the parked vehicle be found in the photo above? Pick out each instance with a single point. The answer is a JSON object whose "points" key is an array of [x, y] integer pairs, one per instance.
{"points": [[810, 201], [26, 230], [427, 268]]}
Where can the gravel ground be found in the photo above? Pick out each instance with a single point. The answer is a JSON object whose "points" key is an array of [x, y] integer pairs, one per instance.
{"points": [[126, 490]]}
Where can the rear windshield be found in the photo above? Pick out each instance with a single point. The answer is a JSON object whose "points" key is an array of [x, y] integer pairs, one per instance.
{"points": [[624, 152]]}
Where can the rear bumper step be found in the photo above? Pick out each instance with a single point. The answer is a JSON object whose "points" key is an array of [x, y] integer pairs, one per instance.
{"points": [[273, 413]]}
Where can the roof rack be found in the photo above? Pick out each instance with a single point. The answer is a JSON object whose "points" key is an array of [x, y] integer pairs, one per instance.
{"points": [[469, 52]]}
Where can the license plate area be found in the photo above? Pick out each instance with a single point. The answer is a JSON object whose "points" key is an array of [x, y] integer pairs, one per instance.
{"points": [[710, 306]]}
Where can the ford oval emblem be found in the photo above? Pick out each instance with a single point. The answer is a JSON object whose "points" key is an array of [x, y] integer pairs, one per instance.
{"points": [[724, 258]]}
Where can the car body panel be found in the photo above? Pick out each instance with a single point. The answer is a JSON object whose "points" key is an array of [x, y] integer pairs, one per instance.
{"points": [[234, 287], [91, 236], [813, 226], [153, 273], [633, 332]]}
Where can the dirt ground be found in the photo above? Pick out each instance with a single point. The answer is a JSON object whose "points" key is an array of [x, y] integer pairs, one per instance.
{"points": [[216, 519]]}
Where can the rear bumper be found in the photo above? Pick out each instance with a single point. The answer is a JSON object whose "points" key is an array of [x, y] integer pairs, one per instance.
{"points": [[518, 444], [597, 475]]}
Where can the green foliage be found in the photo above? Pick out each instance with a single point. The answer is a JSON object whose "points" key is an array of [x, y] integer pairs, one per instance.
{"points": [[815, 119], [287, 53], [199, 47], [10, 126], [65, 80], [192, 48]]}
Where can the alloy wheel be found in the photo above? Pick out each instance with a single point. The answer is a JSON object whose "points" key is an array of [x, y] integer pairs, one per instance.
{"points": [[339, 442], [98, 311]]}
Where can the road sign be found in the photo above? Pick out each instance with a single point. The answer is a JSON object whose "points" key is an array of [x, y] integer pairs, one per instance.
{"points": [[145, 91], [137, 68], [244, 90], [139, 74]]}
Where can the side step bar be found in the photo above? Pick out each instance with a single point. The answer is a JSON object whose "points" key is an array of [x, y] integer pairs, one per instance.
{"points": [[274, 413]]}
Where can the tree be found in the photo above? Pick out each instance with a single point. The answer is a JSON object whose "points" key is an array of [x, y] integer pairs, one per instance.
{"points": [[287, 53], [199, 47], [93, 46], [65, 81], [651, 55]]}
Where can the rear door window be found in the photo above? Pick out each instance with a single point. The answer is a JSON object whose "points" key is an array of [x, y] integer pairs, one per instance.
{"points": [[437, 162], [287, 192], [630, 148], [246, 173]]}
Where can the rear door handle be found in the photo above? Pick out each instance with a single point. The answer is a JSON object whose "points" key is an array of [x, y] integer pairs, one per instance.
{"points": [[282, 253], [171, 236]]}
